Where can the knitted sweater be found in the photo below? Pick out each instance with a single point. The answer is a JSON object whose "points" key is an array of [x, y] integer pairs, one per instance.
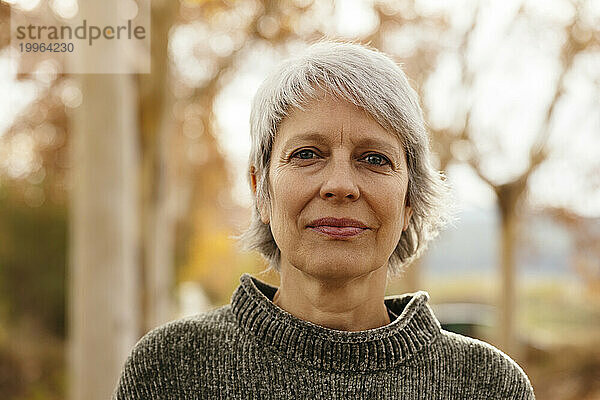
{"points": [[252, 349]]}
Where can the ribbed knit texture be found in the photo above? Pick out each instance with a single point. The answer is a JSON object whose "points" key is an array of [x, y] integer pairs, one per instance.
{"points": [[252, 349]]}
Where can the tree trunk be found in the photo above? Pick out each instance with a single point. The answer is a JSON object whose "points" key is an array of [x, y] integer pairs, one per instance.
{"points": [[157, 213], [103, 256], [103, 235], [508, 292], [509, 196]]}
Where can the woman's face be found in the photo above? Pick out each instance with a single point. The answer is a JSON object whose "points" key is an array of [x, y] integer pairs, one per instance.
{"points": [[334, 160]]}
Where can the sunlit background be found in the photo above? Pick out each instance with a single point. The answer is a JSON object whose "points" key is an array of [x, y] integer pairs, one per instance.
{"points": [[511, 94]]}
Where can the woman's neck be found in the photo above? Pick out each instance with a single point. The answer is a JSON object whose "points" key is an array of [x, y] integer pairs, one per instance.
{"points": [[352, 304]]}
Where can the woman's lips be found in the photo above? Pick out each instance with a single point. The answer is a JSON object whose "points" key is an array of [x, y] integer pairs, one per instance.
{"points": [[338, 231]]}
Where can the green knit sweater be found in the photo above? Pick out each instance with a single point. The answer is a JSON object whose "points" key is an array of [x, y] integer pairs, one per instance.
{"points": [[252, 349]]}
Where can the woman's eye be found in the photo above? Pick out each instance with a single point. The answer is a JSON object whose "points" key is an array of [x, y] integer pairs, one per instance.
{"points": [[304, 154], [376, 159]]}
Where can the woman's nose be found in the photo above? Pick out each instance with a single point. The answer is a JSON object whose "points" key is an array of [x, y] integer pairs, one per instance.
{"points": [[339, 182]]}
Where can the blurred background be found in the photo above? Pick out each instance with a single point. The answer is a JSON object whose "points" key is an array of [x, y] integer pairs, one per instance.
{"points": [[119, 194]]}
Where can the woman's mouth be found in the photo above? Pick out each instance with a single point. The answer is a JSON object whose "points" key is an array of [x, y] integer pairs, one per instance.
{"points": [[338, 228], [338, 232]]}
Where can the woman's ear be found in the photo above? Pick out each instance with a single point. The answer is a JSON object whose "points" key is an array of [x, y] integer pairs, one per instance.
{"points": [[264, 214], [253, 179]]}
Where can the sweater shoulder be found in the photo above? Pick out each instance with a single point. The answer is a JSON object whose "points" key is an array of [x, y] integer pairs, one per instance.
{"points": [[183, 335], [210, 322], [488, 365], [167, 353]]}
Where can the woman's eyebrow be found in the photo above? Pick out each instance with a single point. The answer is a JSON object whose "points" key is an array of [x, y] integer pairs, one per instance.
{"points": [[305, 137], [381, 145]]}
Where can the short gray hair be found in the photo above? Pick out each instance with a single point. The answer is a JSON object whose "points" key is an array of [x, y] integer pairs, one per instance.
{"points": [[372, 81]]}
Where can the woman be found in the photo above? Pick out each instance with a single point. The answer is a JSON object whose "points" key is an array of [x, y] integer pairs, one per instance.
{"points": [[345, 197]]}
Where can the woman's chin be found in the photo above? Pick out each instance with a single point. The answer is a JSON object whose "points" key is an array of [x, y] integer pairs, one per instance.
{"points": [[336, 269]]}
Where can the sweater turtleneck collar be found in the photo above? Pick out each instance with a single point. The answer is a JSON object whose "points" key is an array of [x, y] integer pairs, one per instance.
{"points": [[320, 347]]}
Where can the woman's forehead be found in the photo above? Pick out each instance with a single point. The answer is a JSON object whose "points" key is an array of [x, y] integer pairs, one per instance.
{"points": [[329, 120]]}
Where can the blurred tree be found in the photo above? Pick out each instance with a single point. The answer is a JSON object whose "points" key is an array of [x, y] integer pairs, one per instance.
{"points": [[585, 258], [33, 235], [158, 217], [103, 301], [4, 25], [32, 282], [511, 193]]}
